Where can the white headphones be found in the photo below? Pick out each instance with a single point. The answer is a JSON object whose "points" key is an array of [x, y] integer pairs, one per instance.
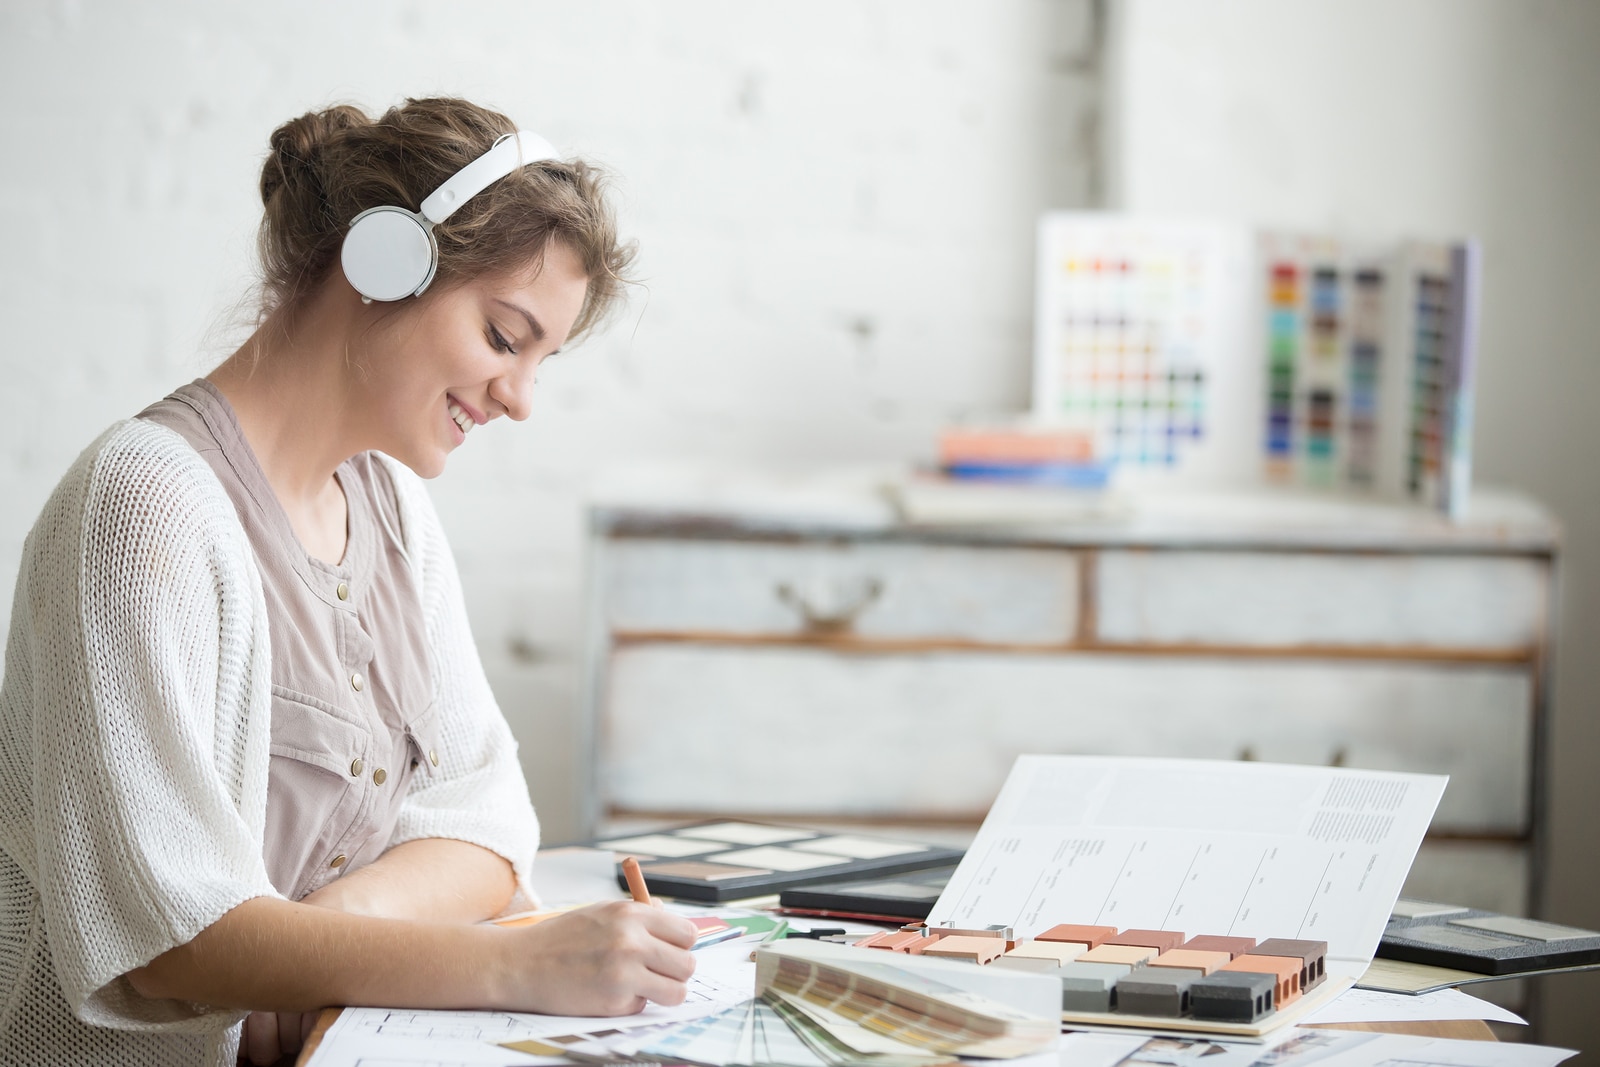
{"points": [[389, 252]]}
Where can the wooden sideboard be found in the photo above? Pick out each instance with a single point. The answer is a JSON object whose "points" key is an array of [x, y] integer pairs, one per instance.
{"points": [[796, 647]]}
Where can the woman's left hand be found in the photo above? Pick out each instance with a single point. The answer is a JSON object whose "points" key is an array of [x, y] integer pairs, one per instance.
{"points": [[471, 884], [271, 1036]]}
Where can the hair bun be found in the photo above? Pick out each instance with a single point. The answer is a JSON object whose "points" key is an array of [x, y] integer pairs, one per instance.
{"points": [[297, 147]]}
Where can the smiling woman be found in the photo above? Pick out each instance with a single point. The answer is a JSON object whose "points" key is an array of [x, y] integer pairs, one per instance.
{"points": [[250, 762]]}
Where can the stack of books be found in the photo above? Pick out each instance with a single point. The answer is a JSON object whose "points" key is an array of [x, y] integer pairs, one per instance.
{"points": [[1022, 451]]}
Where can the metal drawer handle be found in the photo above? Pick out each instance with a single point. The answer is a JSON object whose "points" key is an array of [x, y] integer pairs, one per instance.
{"points": [[832, 618]]}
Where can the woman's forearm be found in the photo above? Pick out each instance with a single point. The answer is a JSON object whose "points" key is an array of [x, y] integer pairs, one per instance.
{"points": [[437, 879], [274, 955], [269, 954]]}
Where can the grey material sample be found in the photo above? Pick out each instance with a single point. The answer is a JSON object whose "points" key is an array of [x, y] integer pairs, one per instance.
{"points": [[1232, 996], [1157, 991]]}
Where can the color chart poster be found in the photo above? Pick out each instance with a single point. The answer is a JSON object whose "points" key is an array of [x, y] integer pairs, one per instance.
{"points": [[1142, 341]]}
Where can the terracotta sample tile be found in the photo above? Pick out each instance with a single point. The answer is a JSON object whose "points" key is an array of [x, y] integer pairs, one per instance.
{"points": [[1160, 940], [1093, 936], [1233, 946], [970, 949], [1286, 970], [1205, 962], [1314, 954]]}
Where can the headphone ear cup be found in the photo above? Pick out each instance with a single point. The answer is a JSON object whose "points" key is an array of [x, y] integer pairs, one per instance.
{"points": [[389, 254]]}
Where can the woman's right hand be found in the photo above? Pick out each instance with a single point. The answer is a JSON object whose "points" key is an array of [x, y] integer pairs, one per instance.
{"points": [[605, 959]]}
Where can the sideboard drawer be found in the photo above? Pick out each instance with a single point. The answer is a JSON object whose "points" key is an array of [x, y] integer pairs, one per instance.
{"points": [[1284, 599], [1492, 875], [933, 735], [868, 590]]}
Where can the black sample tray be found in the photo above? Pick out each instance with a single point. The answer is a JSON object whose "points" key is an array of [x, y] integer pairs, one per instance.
{"points": [[732, 859], [908, 896], [1484, 942]]}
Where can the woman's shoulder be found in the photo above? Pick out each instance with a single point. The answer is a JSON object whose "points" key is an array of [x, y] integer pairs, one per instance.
{"points": [[138, 471]]}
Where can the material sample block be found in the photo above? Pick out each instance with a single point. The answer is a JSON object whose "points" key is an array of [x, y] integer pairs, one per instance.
{"points": [[1133, 955], [1058, 952], [1093, 936], [1160, 940], [1233, 946], [1232, 996], [969, 949], [1091, 986], [1313, 953], [1156, 991], [1189, 958], [1285, 969]]}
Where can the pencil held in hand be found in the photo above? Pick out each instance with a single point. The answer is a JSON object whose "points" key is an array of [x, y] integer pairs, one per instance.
{"points": [[635, 877]]}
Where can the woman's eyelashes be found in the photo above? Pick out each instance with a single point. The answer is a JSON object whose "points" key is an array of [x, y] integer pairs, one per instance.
{"points": [[497, 340]]}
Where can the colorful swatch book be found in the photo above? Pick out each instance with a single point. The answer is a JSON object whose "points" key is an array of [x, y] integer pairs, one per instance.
{"points": [[1371, 359], [763, 1032], [1136, 327], [824, 1005], [1211, 353], [910, 1008]]}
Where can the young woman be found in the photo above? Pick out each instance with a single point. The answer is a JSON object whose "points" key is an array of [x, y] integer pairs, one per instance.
{"points": [[249, 762]]}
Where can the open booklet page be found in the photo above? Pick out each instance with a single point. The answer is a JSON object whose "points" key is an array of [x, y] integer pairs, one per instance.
{"points": [[1204, 847]]}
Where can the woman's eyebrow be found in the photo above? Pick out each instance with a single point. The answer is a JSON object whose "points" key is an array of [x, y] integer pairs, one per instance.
{"points": [[533, 323]]}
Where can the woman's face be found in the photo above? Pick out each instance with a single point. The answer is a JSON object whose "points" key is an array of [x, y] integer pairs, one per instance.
{"points": [[459, 358]]}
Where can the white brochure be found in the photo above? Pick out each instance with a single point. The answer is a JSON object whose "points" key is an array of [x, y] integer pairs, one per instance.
{"points": [[1199, 846]]}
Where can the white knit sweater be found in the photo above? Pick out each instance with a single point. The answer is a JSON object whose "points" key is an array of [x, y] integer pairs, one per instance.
{"points": [[134, 732]]}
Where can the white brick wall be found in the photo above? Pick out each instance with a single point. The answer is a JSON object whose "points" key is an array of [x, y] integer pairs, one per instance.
{"points": [[1431, 117], [834, 200]]}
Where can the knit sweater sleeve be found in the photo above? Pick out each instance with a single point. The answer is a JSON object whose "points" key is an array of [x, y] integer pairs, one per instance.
{"points": [[146, 650], [478, 793]]}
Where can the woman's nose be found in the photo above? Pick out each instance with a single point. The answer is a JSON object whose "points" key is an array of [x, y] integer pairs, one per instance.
{"points": [[514, 391]]}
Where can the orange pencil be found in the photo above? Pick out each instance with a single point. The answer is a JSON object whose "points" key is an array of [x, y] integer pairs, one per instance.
{"points": [[635, 877]]}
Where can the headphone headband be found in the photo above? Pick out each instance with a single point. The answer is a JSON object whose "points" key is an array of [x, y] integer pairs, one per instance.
{"points": [[389, 252], [507, 154]]}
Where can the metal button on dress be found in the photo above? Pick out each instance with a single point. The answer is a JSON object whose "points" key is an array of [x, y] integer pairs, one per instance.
{"points": [[355, 767], [433, 757], [355, 681], [343, 591], [379, 776], [338, 861]]}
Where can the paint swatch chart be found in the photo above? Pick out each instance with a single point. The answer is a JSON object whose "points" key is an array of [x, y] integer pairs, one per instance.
{"points": [[1216, 354], [1136, 320], [1249, 849], [1370, 365]]}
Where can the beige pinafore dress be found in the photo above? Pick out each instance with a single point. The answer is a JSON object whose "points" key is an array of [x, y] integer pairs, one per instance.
{"points": [[353, 716]]}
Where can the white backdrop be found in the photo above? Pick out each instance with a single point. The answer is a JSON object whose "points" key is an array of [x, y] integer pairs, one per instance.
{"points": [[834, 202], [1428, 118]]}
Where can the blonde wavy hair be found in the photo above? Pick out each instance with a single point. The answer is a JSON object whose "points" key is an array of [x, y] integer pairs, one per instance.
{"points": [[328, 166]]}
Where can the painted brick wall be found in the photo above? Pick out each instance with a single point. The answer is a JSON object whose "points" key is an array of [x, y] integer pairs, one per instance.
{"points": [[1434, 117], [834, 201]]}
